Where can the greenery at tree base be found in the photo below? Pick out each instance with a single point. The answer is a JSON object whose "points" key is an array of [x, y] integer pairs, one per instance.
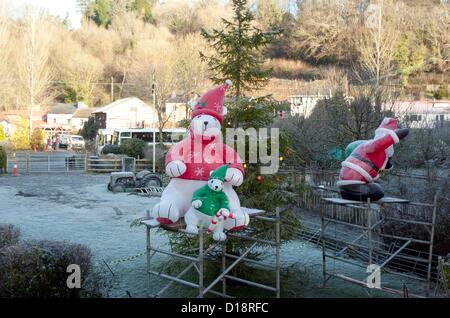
{"points": [[133, 148]]}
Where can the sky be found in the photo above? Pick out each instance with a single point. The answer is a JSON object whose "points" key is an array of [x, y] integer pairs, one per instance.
{"points": [[58, 8]]}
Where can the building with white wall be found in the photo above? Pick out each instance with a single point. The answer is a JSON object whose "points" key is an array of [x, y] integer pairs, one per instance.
{"points": [[421, 114], [68, 116], [303, 105], [126, 113]]}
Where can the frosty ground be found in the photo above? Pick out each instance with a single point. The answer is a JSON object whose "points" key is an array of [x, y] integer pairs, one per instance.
{"points": [[78, 208]]}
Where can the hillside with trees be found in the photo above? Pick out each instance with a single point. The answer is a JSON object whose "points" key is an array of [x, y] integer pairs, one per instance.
{"points": [[324, 45]]}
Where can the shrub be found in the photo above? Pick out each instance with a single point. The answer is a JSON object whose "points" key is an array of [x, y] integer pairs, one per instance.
{"points": [[114, 149], [37, 138], [160, 156], [133, 148], [20, 138], [9, 235], [89, 130], [3, 156], [38, 269], [442, 93], [2, 133]]}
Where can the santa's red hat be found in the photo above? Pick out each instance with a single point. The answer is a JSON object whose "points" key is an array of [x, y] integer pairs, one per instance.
{"points": [[211, 103], [388, 126]]}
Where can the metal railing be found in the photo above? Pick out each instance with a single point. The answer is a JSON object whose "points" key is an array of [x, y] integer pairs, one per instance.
{"points": [[46, 162]]}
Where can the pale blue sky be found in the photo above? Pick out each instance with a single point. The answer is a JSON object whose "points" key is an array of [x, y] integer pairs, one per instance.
{"points": [[58, 8]]}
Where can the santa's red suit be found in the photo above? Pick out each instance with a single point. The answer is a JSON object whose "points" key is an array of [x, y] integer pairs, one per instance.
{"points": [[367, 161]]}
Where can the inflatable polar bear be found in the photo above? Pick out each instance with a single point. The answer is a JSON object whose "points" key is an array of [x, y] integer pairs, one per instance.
{"points": [[190, 162]]}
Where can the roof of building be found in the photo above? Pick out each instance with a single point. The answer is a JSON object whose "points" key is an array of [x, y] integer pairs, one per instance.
{"points": [[63, 109], [120, 102], [419, 107], [84, 112]]}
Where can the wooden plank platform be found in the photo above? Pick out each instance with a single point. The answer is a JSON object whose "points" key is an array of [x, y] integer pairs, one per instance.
{"points": [[180, 225], [385, 200]]}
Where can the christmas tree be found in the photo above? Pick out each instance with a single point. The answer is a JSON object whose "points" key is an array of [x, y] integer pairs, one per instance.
{"points": [[238, 57]]}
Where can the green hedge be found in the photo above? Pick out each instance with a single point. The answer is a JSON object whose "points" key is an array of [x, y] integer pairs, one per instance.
{"points": [[133, 148], [114, 149]]}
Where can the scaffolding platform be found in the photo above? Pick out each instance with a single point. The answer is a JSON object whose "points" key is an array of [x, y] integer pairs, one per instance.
{"points": [[372, 245], [228, 261]]}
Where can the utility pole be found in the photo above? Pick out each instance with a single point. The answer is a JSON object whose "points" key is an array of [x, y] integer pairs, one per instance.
{"points": [[112, 89], [154, 128]]}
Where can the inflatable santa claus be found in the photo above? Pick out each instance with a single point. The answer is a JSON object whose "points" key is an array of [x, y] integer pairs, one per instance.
{"points": [[190, 162], [367, 160]]}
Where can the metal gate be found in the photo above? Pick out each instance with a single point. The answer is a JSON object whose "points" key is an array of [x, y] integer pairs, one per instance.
{"points": [[47, 162]]}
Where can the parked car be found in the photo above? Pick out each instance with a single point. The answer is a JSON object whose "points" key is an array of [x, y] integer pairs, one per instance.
{"points": [[64, 141], [76, 142]]}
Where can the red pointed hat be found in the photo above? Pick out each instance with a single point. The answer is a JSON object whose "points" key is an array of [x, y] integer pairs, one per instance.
{"points": [[211, 103], [389, 123]]}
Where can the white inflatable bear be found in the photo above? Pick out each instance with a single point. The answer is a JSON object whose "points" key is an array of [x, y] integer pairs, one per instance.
{"points": [[190, 162]]}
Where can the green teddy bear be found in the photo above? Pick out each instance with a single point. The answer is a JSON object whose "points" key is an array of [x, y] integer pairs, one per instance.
{"points": [[210, 206]]}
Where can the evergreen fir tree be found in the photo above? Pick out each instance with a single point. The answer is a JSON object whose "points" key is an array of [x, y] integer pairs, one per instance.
{"points": [[238, 51], [237, 57]]}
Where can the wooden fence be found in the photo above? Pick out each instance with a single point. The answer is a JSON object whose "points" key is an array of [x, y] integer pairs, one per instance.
{"points": [[108, 165]]}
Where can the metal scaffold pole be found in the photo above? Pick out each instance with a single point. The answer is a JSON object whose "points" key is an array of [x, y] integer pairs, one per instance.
{"points": [[390, 250], [197, 264]]}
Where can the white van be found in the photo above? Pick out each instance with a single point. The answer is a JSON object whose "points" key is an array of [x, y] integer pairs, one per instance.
{"points": [[76, 142]]}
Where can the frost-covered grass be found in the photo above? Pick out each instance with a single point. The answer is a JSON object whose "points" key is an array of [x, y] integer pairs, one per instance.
{"points": [[79, 209]]}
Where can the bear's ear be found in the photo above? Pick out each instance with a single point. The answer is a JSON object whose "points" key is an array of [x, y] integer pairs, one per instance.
{"points": [[224, 111], [211, 172]]}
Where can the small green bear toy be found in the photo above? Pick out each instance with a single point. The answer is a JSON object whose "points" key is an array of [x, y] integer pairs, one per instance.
{"points": [[209, 206]]}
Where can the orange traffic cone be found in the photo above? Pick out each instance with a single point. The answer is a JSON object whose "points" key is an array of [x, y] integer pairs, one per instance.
{"points": [[15, 169], [34, 147]]}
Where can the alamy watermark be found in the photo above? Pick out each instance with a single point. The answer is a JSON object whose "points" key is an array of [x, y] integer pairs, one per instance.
{"points": [[374, 278], [74, 279], [263, 147]]}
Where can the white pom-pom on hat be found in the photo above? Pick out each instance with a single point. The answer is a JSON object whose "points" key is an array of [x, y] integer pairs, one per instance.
{"points": [[229, 83]]}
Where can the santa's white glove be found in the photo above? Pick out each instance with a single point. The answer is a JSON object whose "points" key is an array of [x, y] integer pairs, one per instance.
{"points": [[196, 204], [234, 176], [175, 168]]}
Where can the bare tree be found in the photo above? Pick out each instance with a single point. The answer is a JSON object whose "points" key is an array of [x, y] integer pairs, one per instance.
{"points": [[5, 49], [34, 73], [377, 45], [326, 29], [77, 69]]}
